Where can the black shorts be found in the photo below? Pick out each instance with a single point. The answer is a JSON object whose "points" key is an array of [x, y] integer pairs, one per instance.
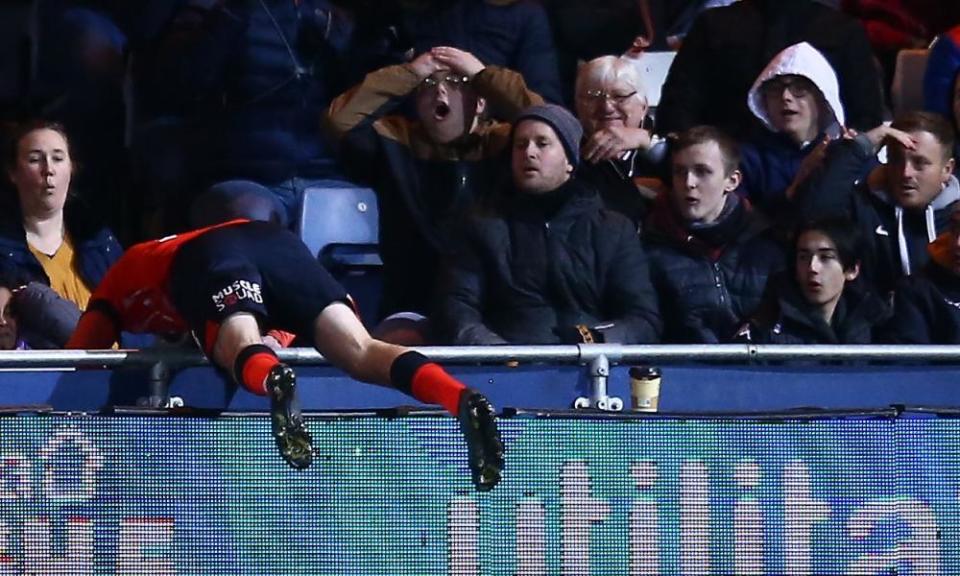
{"points": [[253, 267]]}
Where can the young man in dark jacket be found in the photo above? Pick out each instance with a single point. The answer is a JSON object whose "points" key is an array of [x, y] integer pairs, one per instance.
{"points": [[549, 264], [927, 304], [818, 301], [902, 205], [710, 253]]}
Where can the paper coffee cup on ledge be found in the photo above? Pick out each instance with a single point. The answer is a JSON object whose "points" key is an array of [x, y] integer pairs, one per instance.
{"points": [[645, 388]]}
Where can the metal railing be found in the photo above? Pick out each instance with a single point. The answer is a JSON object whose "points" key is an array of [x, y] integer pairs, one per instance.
{"points": [[163, 362], [565, 354]]}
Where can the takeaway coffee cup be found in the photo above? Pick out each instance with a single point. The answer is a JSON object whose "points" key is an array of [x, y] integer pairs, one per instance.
{"points": [[645, 388]]}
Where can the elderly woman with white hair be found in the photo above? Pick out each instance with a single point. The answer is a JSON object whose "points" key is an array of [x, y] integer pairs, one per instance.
{"points": [[797, 98], [620, 155]]}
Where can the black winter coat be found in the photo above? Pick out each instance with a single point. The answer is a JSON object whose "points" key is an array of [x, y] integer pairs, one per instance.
{"points": [[926, 308], [786, 318], [95, 246], [527, 276], [706, 290]]}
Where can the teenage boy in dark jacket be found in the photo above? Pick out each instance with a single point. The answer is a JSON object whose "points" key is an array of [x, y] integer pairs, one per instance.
{"points": [[549, 264], [818, 301], [710, 253]]}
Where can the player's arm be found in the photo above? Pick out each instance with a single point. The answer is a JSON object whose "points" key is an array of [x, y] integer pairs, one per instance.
{"points": [[99, 328]]}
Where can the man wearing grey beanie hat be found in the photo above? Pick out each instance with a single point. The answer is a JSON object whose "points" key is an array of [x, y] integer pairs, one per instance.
{"points": [[548, 264], [563, 122]]}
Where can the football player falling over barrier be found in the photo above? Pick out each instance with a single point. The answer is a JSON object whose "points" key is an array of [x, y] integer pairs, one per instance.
{"points": [[232, 282]]}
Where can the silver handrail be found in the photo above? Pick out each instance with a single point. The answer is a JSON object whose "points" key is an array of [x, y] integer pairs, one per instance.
{"points": [[564, 354]]}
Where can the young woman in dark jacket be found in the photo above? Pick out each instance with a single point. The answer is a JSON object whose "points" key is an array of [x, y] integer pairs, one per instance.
{"points": [[53, 254], [819, 301]]}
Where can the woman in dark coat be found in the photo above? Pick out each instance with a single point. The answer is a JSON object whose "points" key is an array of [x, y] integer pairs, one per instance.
{"points": [[53, 252]]}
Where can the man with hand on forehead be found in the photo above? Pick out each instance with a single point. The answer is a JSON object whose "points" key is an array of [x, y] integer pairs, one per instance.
{"points": [[901, 206], [427, 171]]}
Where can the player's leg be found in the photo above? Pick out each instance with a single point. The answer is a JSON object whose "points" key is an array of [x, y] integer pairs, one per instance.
{"points": [[218, 290], [237, 347], [343, 340]]}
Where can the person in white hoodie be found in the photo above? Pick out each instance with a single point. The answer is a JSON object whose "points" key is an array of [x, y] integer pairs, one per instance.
{"points": [[797, 98], [901, 206]]}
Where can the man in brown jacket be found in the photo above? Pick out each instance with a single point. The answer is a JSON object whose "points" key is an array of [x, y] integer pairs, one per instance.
{"points": [[427, 171]]}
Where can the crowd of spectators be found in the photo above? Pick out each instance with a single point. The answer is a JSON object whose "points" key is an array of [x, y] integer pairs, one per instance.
{"points": [[528, 192]]}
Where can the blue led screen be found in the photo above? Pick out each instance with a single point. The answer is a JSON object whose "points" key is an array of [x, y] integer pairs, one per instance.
{"points": [[193, 496]]}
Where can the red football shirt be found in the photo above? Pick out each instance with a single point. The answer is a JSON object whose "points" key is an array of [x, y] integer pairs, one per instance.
{"points": [[134, 295]]}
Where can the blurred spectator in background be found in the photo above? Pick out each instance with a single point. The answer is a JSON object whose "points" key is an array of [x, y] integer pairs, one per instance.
{"points": [[80, 66], [619, 154], [428, 171], [249, 78], [797, 98], [679, 16], [941, 82], [587, 30], [901, 206], [710, 253], [548, 264], [818, 301], [728, 47], [51, 245], [512, 34], [894, 25], [927, 304]]}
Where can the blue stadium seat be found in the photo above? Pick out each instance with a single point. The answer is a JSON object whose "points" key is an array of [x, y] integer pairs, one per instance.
{"points": [[339, 223], [654, 67], [906, 91]]}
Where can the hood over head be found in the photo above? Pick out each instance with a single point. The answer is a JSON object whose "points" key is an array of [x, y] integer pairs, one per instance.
{"points": [[800, 60]]}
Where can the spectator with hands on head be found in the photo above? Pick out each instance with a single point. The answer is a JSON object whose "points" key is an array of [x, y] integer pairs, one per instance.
{"points": [[426, 172]]}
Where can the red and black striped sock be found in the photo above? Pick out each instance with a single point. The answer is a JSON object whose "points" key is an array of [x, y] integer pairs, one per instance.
{"points": [[414, 374], [252, 366]]}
